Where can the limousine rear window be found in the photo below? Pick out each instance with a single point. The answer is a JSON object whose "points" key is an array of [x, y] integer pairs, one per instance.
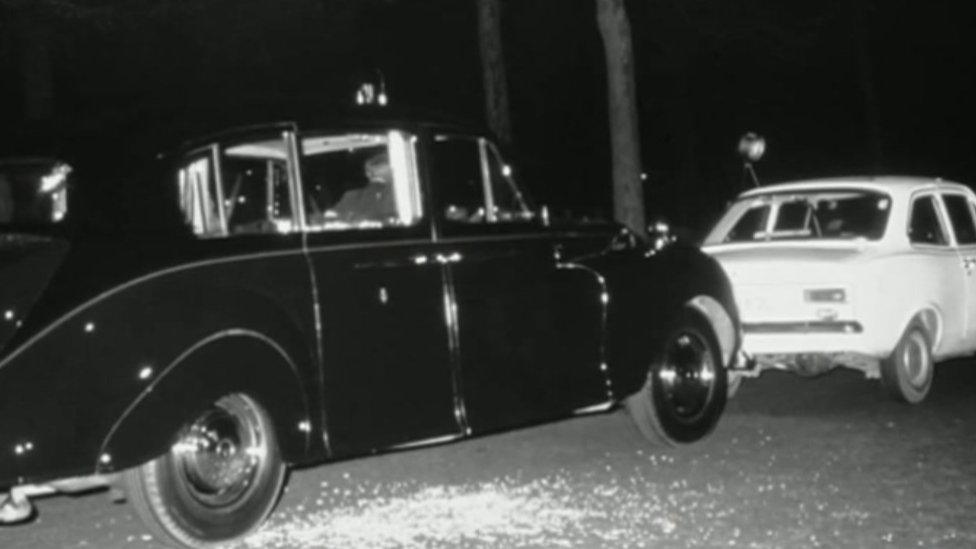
{"points": [[349, 181]]}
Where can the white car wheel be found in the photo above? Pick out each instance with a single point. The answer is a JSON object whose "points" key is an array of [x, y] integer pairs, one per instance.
{"points": [[907, 373]]}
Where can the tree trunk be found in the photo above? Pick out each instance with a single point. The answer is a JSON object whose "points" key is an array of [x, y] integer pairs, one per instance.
{"points": [[628, 194], [865, 76], [493, 69]]}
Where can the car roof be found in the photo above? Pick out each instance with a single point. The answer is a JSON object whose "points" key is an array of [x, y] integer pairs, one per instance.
{"points": [[361, 118], [891, 184]]}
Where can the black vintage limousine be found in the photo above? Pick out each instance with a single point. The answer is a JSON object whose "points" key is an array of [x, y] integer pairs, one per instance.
{"points": [[285, 295]]}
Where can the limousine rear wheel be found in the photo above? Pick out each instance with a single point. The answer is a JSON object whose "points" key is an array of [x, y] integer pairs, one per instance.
{"points": [[908, 372], [219, 481], [686, 386]]}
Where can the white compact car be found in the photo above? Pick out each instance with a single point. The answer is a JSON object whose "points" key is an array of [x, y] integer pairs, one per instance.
{"points": [[877, 274]]}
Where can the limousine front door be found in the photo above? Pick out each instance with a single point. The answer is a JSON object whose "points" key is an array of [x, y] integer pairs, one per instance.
{"points": [[529, 328]]}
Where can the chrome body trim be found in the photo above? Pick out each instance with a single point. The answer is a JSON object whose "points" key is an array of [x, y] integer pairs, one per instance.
{"points": [[425, 442], [295, 187], [489, 193], [454, 348], [218, 170], [602, 407], [319, 345], [803, 327]]}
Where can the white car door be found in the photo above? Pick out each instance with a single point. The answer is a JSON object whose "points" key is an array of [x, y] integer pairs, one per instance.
{"points": [[934, 265], [960, 211]]}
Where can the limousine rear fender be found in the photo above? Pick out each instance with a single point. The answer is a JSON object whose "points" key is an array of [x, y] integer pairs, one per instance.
{"points": [[226, 362], [65, 392]]}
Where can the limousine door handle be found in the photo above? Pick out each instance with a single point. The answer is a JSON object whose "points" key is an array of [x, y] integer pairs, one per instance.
{"points": [[439, 258], [557, 252]]}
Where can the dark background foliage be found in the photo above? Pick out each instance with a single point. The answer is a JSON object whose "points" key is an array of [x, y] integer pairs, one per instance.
{"points": [[837, 87]]}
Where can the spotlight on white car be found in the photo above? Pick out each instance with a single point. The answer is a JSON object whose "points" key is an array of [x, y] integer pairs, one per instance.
{"points": [[752, 147]]}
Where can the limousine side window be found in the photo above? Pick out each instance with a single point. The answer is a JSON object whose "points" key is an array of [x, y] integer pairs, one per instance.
{"points": [[508, 204], [474, 185], [360, 181], [254, 184], [239, 187], [199, 195], [457, 177]]}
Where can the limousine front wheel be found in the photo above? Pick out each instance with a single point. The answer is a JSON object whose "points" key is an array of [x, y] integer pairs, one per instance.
{"points": [[219, 481], [686, 387]]}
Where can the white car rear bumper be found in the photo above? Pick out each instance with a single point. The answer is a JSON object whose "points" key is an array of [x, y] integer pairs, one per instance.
{"points": [[813, 347]]}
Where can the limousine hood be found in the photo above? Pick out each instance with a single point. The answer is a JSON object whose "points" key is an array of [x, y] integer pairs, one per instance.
{"points": [[27, 263]]}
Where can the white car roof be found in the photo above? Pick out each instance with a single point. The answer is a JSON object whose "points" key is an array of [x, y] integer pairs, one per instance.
{"points": [[891, 184]]}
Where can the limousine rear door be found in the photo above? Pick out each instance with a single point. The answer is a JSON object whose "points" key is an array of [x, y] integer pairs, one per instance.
{"points": [[387, 373]]}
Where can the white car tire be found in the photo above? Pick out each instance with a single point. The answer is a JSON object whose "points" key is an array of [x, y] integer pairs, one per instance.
{"points": [[907, 373]]}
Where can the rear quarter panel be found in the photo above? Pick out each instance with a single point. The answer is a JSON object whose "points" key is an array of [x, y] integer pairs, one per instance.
{"points": [[75, 386], [895, 288]]}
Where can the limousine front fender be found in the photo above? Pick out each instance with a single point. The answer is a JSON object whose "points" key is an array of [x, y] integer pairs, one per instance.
{"points": [[648, 293]]}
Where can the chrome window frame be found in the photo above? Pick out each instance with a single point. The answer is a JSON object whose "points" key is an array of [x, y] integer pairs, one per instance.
{"points": [[213, 152]]}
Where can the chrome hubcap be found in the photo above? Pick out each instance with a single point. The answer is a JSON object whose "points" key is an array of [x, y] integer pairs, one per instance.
{"points": [[916, 360], [221, 453], [687, 377]]}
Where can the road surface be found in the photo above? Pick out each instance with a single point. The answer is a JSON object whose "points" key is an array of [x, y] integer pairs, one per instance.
{"points": [[795, 462]]}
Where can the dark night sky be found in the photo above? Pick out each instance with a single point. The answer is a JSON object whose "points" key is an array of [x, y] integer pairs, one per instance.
{"points": [[707, 71]]}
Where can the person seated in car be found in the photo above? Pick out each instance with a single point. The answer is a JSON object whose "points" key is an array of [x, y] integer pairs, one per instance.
{"points": [[373, 202]]}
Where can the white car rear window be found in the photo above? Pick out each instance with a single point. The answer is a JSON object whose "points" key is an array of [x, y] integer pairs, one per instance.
{"points": [[834, 214]]}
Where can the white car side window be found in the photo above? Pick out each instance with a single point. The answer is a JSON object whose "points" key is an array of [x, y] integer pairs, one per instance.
{"points": [[961, 217], [925, 226]]}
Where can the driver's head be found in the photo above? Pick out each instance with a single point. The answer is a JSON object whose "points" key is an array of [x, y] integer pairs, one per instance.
{"points": [[377, 168]]}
